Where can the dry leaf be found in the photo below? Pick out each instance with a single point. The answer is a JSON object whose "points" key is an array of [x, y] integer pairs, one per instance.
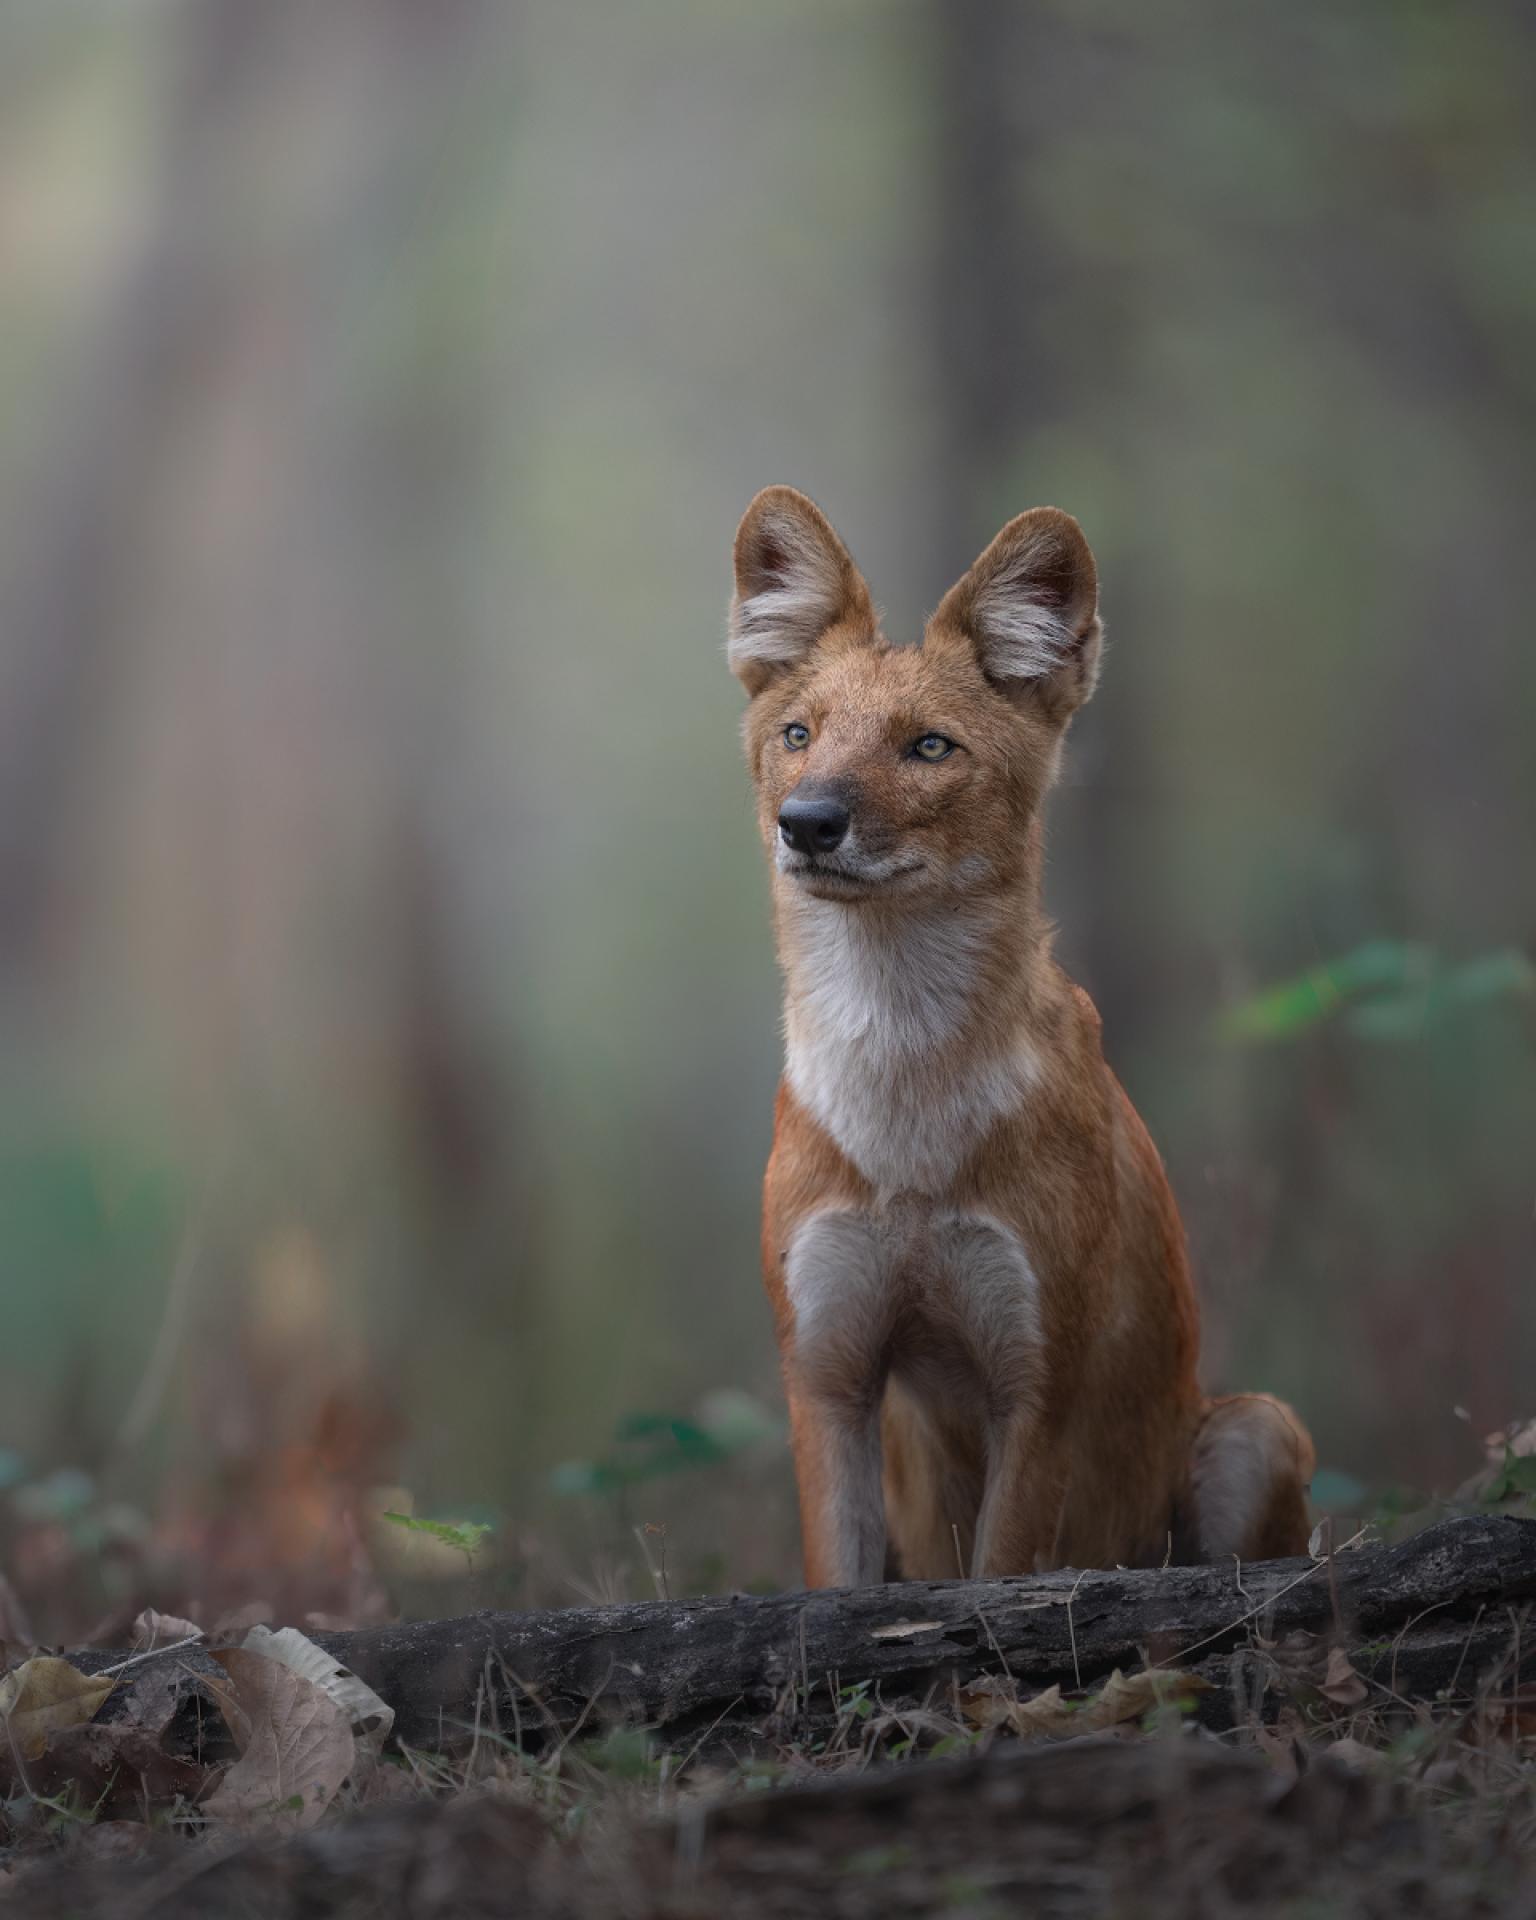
{"points": [[994, 1703], [988, 1700], [367, 1715], [1354, 1754], [297, 1750], [153, 1629], [117, 1768], [43, 1694], [905, 1629], [1046, 1714], [1279, 1751], [1340, 1683], [1128, 1699]]}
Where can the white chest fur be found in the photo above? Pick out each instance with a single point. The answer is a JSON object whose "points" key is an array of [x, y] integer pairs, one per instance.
{"points": [[876, 1027]]}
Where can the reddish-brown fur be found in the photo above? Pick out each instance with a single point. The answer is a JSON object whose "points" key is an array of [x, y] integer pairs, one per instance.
{"points": [[976, 1265]]}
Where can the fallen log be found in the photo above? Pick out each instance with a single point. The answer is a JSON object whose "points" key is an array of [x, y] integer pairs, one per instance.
{"points": [[1437, 1612]]}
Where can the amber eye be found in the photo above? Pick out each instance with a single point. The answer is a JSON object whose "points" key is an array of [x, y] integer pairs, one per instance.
{"points": [[933, 746], [796, 736]]}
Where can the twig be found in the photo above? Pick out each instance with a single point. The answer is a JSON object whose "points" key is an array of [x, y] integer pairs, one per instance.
{"points": [[580, 1721], [1466, 1644], [1077, 1672], [689, 1757], [997, 1649], [1333, 1585], [1408, 1626], [150, 1653], [1252, 1613], [658, 1575]]}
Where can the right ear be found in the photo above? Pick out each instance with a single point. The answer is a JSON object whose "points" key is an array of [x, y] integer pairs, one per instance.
{"points": [[795, 581], [1029, 609]]}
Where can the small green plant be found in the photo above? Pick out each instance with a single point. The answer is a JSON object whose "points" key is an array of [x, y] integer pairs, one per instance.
{"points": [[1385, 990], [855, 1700], [1515, 1479], [653, 1446], [624, 1753], [468, 1537]]}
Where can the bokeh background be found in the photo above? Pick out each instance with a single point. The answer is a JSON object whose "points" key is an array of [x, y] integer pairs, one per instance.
{"points": [[389, 1016]]}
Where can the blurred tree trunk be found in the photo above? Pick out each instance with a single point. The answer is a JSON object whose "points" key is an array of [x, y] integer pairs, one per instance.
{"points": [[989, 372], [257, 594], [1002, 93]]}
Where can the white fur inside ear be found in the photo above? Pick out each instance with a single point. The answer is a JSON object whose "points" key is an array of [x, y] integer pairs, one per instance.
{"points": [[1020, 637], [777, 622]]}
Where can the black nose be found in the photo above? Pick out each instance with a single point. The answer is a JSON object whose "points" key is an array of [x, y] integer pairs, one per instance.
{"points": [[813, 825]]}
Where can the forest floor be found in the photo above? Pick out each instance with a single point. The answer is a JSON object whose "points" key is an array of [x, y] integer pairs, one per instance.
{"points": [[1352, 1819], [1352, 1733], [1338, 1800]]}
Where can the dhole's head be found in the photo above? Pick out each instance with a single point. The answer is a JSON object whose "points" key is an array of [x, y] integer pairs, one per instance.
{"points": [[892, 771]]}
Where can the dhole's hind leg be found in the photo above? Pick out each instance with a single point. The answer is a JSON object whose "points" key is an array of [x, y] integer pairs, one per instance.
{"points": [[1248, 1478]]}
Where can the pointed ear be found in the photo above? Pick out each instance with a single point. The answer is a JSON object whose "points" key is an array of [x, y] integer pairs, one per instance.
{"points": [[1029, 608], [794, 582]]}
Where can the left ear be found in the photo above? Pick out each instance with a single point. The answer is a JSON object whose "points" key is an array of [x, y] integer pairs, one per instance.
{"points": [[1029, 608]]}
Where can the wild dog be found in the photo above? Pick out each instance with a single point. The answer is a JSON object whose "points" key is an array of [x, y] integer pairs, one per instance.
{"points": [[977, 1270]]}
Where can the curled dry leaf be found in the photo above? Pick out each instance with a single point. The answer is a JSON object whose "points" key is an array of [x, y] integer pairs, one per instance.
{"points": [[44, 1694], [988, 1700], [153, 1629], [1123, 1698], [296, 1744], [1047, 1713], [995, 1703], [367, 1715], [1340, 1683]]}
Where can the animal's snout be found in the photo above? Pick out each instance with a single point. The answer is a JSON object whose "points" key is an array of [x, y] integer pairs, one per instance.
{"points": [[813, 823]]}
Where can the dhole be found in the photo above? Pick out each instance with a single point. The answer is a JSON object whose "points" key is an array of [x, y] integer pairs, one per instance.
{"points": [[977, 1270]]}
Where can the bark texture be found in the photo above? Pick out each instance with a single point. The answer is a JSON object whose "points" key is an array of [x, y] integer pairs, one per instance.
{"points": [[1439, 1611]]}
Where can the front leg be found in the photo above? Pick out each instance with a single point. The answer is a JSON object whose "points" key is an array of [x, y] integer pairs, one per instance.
{"points": [[835, 1335], [842, 1506], [1015, 1531]]}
